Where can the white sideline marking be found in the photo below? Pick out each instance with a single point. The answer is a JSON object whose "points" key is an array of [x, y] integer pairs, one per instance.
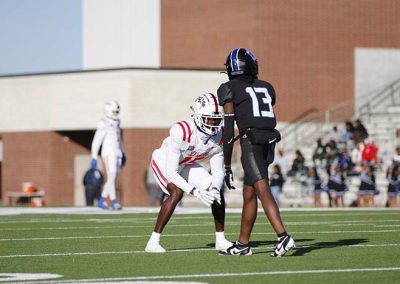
{"points": [[187, 235], [183, 250], [5, 277], [182, 276]]}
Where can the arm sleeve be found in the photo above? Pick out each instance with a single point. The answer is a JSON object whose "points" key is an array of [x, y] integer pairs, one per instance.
{"points": [[229, 120], [98, 139], [224, 96], [217, 170], [174, 152]]}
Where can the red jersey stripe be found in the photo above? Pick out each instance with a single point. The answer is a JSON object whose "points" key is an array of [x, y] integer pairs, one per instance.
{"points": [[189, 130], [183, 129]]}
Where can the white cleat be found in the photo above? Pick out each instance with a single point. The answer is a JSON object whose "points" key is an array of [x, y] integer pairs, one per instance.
{"points": [[154, 248], [284, 244], [222, 244]]}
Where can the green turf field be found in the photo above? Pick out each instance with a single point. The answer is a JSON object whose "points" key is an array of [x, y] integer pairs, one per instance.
{"points": [[357, 246]]}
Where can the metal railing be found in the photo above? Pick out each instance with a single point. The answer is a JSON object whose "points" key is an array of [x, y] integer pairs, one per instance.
{"points": [[379, 102], [308, 126]]}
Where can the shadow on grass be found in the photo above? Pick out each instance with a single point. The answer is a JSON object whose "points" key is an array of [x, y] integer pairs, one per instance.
{"points": [[302, 250]]}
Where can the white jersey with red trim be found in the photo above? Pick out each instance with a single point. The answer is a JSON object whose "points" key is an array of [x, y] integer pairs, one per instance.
{"points": [[108, 136], [187, 145]]}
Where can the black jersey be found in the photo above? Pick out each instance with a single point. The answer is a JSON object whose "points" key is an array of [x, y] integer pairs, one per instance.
{"points": [[253, 100]]}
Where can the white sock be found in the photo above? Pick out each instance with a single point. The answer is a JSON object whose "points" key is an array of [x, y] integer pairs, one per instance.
{"points": [[220, 235], [155, 237]]}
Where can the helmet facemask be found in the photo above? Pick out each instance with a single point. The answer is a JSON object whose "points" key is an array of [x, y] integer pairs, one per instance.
{"points": [[208, 115], [111, 109]]}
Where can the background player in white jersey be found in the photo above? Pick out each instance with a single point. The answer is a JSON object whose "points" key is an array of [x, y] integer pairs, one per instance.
{"points": [[108, 137], [178, 166]]}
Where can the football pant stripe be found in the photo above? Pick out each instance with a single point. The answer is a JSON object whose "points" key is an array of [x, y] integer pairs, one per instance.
{"points": [[158, 174]]}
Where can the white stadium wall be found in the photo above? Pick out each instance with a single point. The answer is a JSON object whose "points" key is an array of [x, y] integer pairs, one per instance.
{"points": [[375, 69], [120, 33], [148, 98]]}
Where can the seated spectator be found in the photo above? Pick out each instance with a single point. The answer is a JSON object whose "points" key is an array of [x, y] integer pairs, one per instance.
{"points": [[336, 185], [298, 165], [319, 155], [348, 134], [367, 187], [332, 152], [360, 132], [280, 160], [317, 185], [393, 176], [369, 153], [276, 183], [397, 143], [356, 158], [345, 162], [334, 135]]}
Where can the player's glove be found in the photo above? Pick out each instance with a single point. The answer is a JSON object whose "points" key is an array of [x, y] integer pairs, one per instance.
{"points": [[123, 160], [216, 194], [229, 177], [204, 196], [93, 164]]}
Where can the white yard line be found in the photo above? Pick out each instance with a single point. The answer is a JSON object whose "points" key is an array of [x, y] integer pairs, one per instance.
{"points": [[173, 224], [186, 250], [237, 274], [188, 235]]}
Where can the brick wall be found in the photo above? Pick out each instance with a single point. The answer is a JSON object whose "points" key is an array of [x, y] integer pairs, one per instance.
{"points": [[305, 48], [47, 160]]}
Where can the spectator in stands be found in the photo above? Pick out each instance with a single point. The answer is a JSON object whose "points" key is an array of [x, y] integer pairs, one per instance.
{"points": [[298, 165], [336, 185], [348, 135], [332, 152], [397, 143], [276, 183], [319, 155], [369, 153], [360, 132], [356, 158], [334, 135], [280, 160], [345, 162], [367, 187], [317, 185], [393, 176]]}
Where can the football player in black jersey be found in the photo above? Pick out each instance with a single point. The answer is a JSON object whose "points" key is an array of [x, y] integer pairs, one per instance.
{"points": [[249, 101]]}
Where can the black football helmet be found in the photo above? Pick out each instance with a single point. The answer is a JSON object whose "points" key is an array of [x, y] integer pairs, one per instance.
{"points": [[241, 61]]}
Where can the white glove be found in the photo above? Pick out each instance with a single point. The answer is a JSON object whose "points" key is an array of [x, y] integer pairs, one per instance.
{"points": [[205, 196], [216, 194]]}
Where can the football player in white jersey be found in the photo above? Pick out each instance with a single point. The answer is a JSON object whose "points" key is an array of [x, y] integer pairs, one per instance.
{"points": [[108, 137], [179, 167]]}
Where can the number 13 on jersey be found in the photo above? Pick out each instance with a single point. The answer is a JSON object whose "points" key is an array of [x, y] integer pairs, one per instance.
{"points": [[262, 94]]}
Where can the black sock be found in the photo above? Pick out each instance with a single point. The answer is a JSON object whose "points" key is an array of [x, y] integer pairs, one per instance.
{"points": [[284, 234], [243, 245]]}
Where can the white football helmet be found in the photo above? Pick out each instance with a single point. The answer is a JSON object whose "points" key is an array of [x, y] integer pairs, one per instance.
{"points": [[111, 109], [208, 114]]}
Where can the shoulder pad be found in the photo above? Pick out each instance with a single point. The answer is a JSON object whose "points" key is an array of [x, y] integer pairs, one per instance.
{"points": [[224, 94], [182, 130]]}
